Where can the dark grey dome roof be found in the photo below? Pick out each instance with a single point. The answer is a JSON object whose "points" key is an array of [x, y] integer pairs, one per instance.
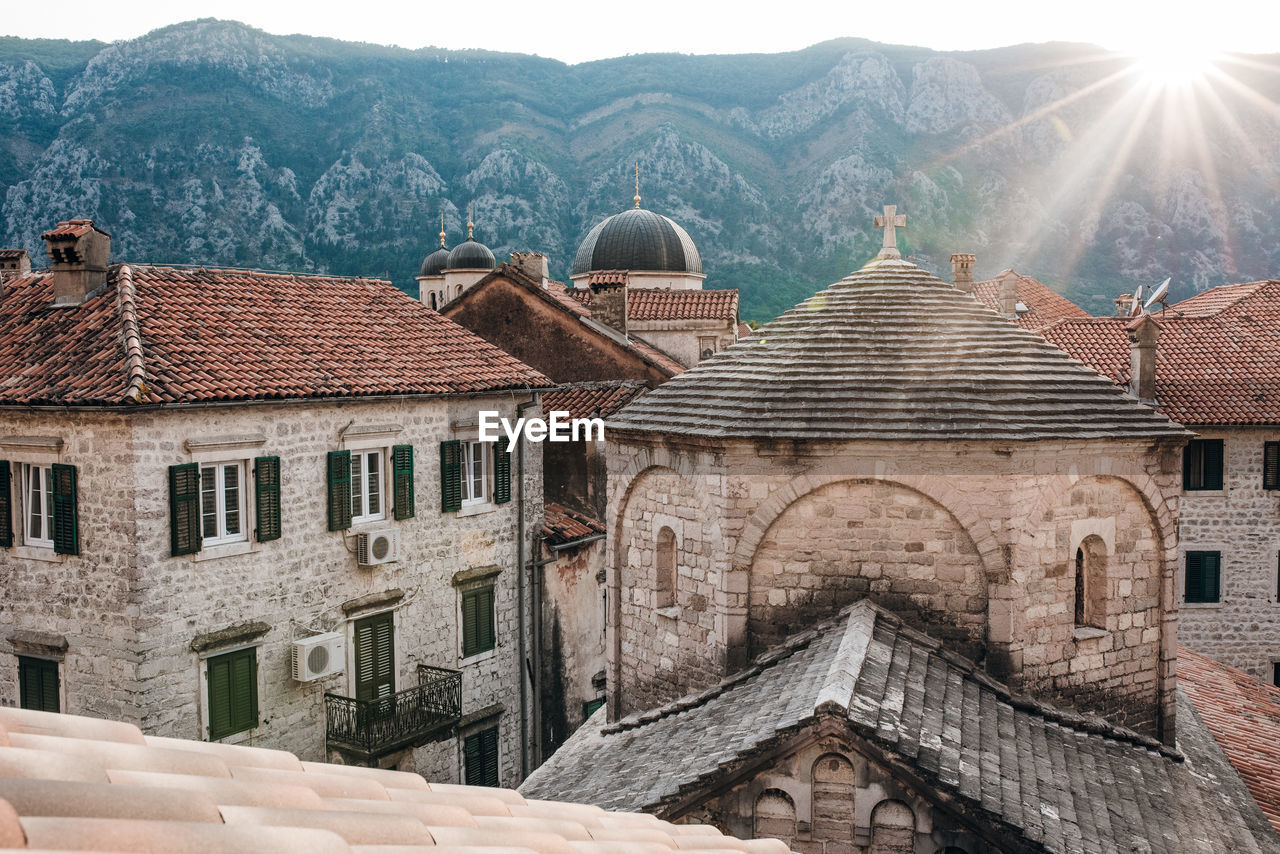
{"points": [[434, 264], [637, 240], [471, 255]]}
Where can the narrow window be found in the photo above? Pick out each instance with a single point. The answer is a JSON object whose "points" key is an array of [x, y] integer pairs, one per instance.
{"points": [[222, 503], [1091, 584], [1203, 581], [38, 684], [375, 657], [473, 472], [477, 622], [37, 494], [1080, 587], [1271, 465], [233, 692], [433, 300], [1202, 466], [480, 756], [1275, 674], [367, 486], [666, 566]]}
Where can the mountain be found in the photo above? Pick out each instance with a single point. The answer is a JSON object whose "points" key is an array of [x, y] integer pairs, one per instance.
{"points": [[211, 142]]}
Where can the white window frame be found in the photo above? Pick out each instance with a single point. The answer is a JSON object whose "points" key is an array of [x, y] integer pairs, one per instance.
{"points": [[360, 500], [45, 472], [218, 469], [474, 451]]}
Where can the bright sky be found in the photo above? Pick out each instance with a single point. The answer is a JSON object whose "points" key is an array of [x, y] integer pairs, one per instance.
{"points": [[575, 31]]}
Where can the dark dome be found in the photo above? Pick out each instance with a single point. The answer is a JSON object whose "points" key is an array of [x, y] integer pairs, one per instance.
{"points": [[637, 240], [434, 264], [471, 255]]}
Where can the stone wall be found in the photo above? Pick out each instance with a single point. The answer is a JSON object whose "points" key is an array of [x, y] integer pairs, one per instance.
{"points": [[1242, 521], [973, 543], [683, 340], [572, 639]]}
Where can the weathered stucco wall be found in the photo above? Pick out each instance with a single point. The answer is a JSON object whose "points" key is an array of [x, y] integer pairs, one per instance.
{"points": [[572, 655]]}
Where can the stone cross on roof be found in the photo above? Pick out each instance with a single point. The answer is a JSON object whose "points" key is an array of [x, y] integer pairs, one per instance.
{"points": [[890, 219]]}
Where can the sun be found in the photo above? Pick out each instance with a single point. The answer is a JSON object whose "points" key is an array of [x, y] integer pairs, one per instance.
{"points": [[1167, 64]]}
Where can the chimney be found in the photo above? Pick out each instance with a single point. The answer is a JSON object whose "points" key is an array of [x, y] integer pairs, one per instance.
{"points": [[14, 262], [1007, 296], [532, 264], [1143, 334], [962, 272], [1124, 304], [609, 306], [80, 252]]}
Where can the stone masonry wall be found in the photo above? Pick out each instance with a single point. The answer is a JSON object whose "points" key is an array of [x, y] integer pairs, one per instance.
{"points": [[1242, 521]]}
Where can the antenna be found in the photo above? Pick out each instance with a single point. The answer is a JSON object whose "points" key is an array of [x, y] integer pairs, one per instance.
{"points": [[1158, 295]]}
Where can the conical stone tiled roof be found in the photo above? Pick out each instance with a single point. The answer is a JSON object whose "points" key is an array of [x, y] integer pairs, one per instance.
{"points": [[892, 352]]}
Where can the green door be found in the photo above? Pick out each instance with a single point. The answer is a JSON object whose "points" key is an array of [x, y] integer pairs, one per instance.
{"points": [[375, 656]]}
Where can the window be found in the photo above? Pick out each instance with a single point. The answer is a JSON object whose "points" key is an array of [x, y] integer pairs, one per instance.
{"points": [[367, 477], [37, 505], [1203, 583], [590, 707], [233, 692], [477, 621], [473, 467], [38, 684], [222, 503], [46, 507], [1271, 465], [480, 756], [1091, 584], [375, 657], [666, 567], [1275, 674], [1202, 465]]}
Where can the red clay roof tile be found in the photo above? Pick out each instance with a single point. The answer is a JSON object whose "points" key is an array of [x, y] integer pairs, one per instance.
{"points": [[563, 525], [1044, 306], [591, 400], [667, 304]]}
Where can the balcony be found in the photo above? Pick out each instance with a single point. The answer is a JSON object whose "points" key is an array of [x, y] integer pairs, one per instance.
{"points": [[368, 729]]}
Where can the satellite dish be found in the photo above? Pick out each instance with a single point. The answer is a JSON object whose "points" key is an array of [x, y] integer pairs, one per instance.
{"points": [[1135, 307], [1158, 295]]}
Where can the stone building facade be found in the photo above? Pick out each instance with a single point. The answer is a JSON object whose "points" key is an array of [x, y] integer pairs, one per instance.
{"points": [[135, 621]]}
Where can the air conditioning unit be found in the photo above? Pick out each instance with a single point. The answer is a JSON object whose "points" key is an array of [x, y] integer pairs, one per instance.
{"points": [[319, 655], [375, 547]]}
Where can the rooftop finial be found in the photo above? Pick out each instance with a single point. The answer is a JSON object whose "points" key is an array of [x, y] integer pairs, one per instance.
{"points": [[471, 226], [890, 219], [637, 199], [442, 246]]}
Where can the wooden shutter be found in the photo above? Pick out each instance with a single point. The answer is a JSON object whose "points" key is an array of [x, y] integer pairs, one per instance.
{"points": [[6, 505], [66, 521], [477, 621], [501, 473], [1204, 574], [481, 756], [38, 684], [450, 476], [375, 656], [233, 692], [266, 498], [339, 490], [402, 480], [184, 509], [1188, 454], [1195, 577], [1212, 464], [1271, 465]]}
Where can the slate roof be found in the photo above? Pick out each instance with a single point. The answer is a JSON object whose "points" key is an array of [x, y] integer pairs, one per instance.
{"points": [[1244, 716], [1217, 358], [1044, 305], [891, 352], [591, 400], [637, 239], [668, 304], [174, 336], [1050, 780], [563, 525], [69, 782]]}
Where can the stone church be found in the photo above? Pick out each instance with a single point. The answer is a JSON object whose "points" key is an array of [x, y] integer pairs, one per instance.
{"points": [[895, 575]]}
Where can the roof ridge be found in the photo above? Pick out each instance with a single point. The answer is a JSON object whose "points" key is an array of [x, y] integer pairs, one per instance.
{"points": [[131, 333]]}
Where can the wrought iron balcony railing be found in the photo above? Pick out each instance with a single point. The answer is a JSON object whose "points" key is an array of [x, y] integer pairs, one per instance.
{"points": [[373, 728]]}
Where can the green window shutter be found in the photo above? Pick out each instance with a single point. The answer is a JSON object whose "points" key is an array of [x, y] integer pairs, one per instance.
{"points": [[1213, 577], [501, 473], [66, 521], [184, 509], [339, 490], [38, 684], [1188, 460], [480, 752], [1271, 465], [402, 480], [233, 692], [477, 621], [1204, 577], [6, 505], [1213, 460], [450, 476], [375, 656], [1195, 577], [266, 484]]}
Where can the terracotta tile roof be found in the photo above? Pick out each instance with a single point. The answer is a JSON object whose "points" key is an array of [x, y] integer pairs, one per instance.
{"points": [[1044, 306], [70, 228], [563, 525], [11, 254], [1041, 778], [892, 352], [608, 277], [667, 304], [69, 782], [166, 335], [1244, 716], [591, 400], [1217, 363], [744, 330]]}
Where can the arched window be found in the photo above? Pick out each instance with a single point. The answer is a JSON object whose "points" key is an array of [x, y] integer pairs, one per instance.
{"points": [[665, 586], [893, 828], [1091, 583], [434, 303], [833, 792], [775, 816]]}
